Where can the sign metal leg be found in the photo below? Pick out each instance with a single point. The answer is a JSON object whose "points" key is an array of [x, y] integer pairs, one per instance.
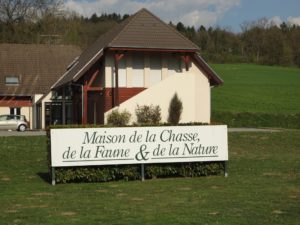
{"points": [[226, 169], [53, 175], [143, 172]]}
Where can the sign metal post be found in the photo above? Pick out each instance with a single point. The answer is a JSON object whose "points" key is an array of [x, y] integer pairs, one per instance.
{"points": [[53, 175], [225, 169], [143, 172]]}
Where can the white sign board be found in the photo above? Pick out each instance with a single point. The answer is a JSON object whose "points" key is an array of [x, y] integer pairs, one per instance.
{"points": [[138, 145]]}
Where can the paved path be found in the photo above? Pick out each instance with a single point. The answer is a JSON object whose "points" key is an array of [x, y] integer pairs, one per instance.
{"points": [[4, 133], [245, 129]]}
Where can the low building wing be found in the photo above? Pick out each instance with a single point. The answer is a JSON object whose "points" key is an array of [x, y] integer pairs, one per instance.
{"points": [[28, 69]]}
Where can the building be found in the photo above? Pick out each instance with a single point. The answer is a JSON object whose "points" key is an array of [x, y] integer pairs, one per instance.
{"points": [[141, 61], [26, 75]]}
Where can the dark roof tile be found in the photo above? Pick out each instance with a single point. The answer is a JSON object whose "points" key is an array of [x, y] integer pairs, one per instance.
{"points": [[38, 66]]}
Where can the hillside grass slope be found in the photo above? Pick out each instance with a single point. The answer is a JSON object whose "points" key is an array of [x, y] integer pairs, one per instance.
{"points": [[259, 95]]}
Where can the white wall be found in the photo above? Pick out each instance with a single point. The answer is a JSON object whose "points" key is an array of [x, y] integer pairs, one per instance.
{"points": [[33, 122], [45, 99], [192, 87], [27, 112], [4, 110], [194, 98]]}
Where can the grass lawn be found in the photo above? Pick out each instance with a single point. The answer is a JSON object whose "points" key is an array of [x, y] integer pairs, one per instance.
{"points": [[263, 187], [255, 88]]}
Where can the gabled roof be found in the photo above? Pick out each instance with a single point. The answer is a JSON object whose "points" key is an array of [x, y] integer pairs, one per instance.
{"points": [[143, 30], [37, 66]]}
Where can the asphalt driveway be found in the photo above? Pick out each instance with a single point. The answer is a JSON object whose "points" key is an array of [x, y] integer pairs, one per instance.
{"points": [[4, 133]]}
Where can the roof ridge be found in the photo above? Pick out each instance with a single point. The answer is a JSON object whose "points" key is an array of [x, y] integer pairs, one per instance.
{"points": [[174, 30], [128, 20], [167, 26]]}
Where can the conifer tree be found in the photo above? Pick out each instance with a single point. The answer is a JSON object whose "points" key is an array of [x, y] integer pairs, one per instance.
{"points": [[175, 110]]}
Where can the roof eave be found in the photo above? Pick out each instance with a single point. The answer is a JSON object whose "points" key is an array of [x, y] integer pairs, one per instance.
{"points": [[151, 48], [212, 76], [79, 73]]}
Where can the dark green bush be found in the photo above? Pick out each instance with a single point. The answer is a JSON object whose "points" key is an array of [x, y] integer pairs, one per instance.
{"points": [[133, 172], [175, 110], [148, 114], [96, 174], [118, 119]]}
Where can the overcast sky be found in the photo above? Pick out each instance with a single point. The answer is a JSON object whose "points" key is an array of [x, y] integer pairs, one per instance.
{"points": [[224, 13]]}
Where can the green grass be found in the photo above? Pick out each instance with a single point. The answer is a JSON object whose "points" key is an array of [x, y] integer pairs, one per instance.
{"points": [[263, 187], [257, 89]]}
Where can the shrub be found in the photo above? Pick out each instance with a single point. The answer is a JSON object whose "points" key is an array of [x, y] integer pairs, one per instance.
{"points": [[175, 110], [148, 114], [117, 118], [133, 172]]}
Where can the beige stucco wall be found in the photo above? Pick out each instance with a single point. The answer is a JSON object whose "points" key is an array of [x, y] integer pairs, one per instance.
{"points": [[27, 112], [202, 95], [195, 105], [45, 99], [4, 110], [35, 99], [192, 87]]}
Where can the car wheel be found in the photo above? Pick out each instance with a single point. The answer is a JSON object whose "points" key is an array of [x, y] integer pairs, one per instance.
{"points": [[22, 128]]}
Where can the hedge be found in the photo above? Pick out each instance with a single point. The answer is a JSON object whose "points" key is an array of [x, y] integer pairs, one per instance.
{"points": [[130, 172]]}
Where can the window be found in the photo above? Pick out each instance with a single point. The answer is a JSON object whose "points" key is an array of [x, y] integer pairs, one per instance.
{"points": [[138, 70], [15, 111], [155, 69], [12, 80]]}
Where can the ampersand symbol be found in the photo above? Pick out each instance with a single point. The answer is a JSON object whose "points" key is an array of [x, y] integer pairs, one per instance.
{"points": [[142, 154]]}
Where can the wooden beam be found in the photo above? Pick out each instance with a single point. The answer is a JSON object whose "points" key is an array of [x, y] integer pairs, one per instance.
{"points": [[87, 86], [186, 59], [154, 50], [3, 98], [93, 77], [94, 88]]}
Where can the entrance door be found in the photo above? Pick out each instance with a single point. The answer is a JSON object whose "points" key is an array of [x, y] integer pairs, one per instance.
{"points": [[53, 113], [95, 108]]}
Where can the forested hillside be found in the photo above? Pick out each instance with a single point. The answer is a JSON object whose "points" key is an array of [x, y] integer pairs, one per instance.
{"points": [[44, 21]]}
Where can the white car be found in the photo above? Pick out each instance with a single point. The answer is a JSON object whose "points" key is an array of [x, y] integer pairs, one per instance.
{"points": [[13, 122]]}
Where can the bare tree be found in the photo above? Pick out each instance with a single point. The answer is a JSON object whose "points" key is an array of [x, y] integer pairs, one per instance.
{"points": [[48, 7], [13, 11]]}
